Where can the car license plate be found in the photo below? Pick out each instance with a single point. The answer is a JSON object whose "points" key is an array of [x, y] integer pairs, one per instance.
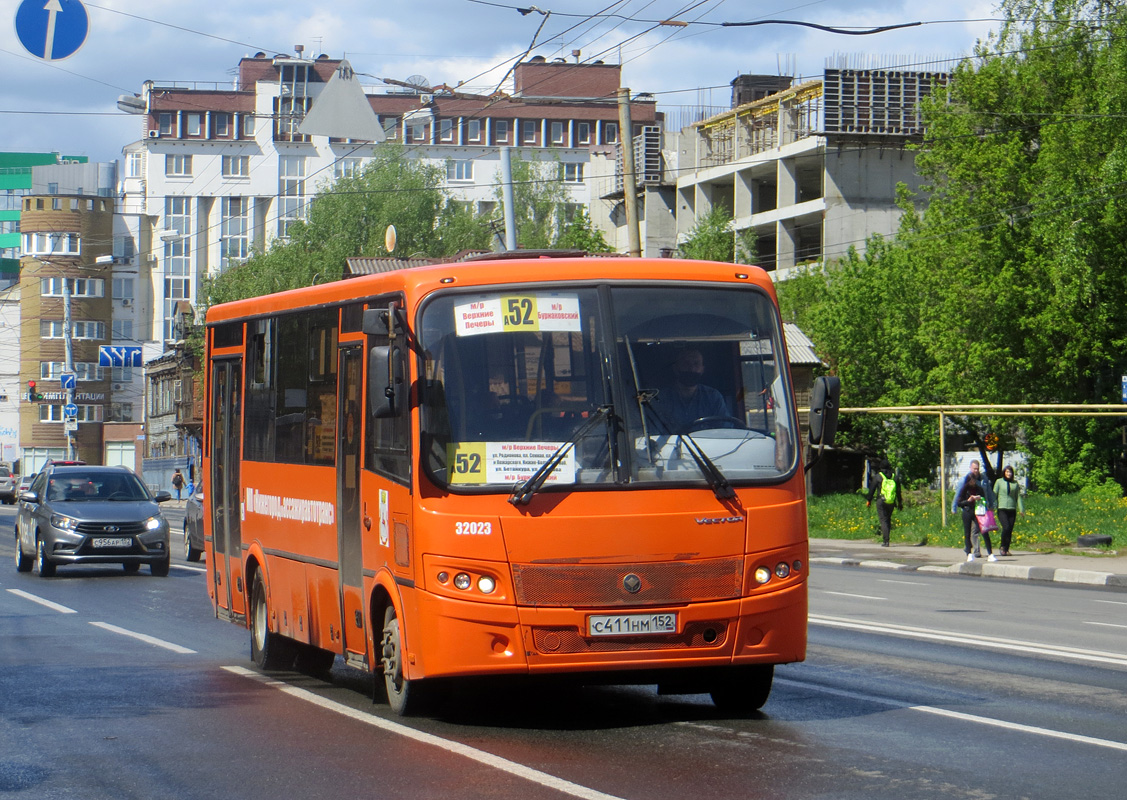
{"points": [[113, 542], [631, 624]]}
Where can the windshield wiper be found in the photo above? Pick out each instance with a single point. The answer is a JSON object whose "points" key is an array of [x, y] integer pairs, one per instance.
{"points": [[712, 474], [523, 492]]}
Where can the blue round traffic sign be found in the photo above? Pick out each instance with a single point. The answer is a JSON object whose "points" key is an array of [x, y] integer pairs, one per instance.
{"points": [[70, 410], [52, 29]]}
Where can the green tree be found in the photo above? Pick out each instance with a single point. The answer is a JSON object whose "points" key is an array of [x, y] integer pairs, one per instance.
{"points": [[1007, 279], [539, 196], [712, 239], [581, 234]]}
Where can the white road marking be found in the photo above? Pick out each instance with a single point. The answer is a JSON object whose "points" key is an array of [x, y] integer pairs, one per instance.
{"points": [[175, 648], [190, 569], [943, 712], [1105, 624], [988, 642], [480, 756], [906, 583], [42, 602], [858, 596], [1111, 602]]}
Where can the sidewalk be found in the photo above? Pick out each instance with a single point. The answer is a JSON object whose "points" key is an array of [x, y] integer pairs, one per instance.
{"points": [[1094, 570]]}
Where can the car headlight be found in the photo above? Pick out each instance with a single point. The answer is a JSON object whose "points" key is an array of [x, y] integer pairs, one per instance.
{"points": [[152, 523], [65, 523]]}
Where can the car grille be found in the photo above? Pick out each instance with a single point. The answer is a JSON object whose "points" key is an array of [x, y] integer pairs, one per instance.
{"points": [[110, 528], [601, 586]]}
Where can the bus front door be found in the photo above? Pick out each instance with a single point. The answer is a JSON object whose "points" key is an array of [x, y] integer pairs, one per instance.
{"points": [[350, 374], [226, 566]]}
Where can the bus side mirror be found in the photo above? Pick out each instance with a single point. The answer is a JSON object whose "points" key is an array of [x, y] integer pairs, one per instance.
{"points": [[385, 381], [824, 402]]}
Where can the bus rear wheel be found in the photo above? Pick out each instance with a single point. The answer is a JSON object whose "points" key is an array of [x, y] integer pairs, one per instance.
{"points": [[270, 651], [403, 696], [744, 689]]}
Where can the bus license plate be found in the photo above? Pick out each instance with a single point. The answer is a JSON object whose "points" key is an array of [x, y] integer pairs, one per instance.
{"points": [[631, 624], [115, 542]]}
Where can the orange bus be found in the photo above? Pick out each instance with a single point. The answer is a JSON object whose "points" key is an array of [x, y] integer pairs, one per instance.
{"points": [[581, 467]]}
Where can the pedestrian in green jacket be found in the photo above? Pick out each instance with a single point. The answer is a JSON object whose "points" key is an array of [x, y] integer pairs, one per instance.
{"points": [[1007, 492]]}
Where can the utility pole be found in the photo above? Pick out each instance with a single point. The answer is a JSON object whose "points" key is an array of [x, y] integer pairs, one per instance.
{"points": [[69, 366], [629, 180]]}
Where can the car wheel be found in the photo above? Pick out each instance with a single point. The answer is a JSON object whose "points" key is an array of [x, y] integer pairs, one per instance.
{"points": [[269, 650], [744, 689], [43, 565], [190, 553], [130, 568], [403, 696], [23, 563], [160, 568]]}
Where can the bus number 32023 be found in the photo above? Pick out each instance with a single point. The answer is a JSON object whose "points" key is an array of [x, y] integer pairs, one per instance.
{"points": [[473, 528]]}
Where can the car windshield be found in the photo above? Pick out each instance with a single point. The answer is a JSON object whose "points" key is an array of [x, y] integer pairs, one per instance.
{"points": [[620, 385], [95, 486]]}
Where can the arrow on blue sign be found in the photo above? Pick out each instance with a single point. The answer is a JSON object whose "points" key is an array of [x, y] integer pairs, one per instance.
{"points": [[52, 29], [109, 356]]}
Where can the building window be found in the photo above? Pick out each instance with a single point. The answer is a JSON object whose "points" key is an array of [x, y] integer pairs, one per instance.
{"points": [[501, 130], [610, 133], [122, 375], [124, 248], [222, 124], [121, 329], [178, 165], [446, 130], [291, 191], [583, 133], [528, 132], [248, 126], [135, 165], [120, 412], [236, 166], [459, 171], [166, 121], [79, 287], [347, 167], [390, 126], [558, 134], [195, 124], [416, 132], [53, 413], [571, 173], [48, 244], [83, 370], [80, 329], [473, 130], [176, 291], [234, 239], [122, 288]]}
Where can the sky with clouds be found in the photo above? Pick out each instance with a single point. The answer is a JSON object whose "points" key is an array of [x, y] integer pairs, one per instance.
{"points": [[70, 105]]}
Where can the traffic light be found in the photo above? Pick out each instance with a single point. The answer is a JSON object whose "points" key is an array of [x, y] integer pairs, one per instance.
{"points": [[33, 395]]}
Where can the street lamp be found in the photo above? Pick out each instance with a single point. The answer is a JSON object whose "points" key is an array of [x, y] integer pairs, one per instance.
{"points": [[68, 343]]}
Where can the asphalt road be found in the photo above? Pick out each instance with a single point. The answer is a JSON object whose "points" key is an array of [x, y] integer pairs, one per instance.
{"points": [[914, 686]]}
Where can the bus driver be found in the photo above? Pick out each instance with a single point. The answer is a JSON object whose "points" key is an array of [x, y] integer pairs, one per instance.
{"points": [[689, 398]]}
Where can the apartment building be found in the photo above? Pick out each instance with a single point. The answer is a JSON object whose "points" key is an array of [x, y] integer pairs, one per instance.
{"points": [[810, 168], [221, 170]]}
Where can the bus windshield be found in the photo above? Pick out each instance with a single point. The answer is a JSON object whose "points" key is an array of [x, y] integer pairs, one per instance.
{"points": [[619, 385]]}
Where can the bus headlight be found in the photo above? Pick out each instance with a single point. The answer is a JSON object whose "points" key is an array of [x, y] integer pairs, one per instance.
{"points": [[782, 569], [486, 585], [762, 575], [462, 580]]}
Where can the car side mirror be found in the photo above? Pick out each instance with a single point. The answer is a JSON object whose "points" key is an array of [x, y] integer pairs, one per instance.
{"points": [[162, 496], [29, 497]]}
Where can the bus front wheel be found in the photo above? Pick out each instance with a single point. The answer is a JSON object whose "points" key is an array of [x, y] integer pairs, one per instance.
{"points": [[270, 651], [403, 695], [744, 689]]}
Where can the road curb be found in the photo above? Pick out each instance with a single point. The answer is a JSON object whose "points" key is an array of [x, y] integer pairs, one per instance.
{"points": [[982, 569]]}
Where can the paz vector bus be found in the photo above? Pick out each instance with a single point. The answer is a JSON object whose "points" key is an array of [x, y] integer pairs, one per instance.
{"points": [[585, 468]]}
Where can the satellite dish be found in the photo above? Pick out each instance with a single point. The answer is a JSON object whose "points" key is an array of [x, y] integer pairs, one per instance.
{"points": [[420, 82], [389, 238]]}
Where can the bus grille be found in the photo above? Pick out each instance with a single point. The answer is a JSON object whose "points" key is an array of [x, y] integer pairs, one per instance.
{"points": [[602, 586], [552, 641]]}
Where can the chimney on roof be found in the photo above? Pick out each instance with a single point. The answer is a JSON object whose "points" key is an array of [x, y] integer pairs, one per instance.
{"points": [[299, 49]]}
